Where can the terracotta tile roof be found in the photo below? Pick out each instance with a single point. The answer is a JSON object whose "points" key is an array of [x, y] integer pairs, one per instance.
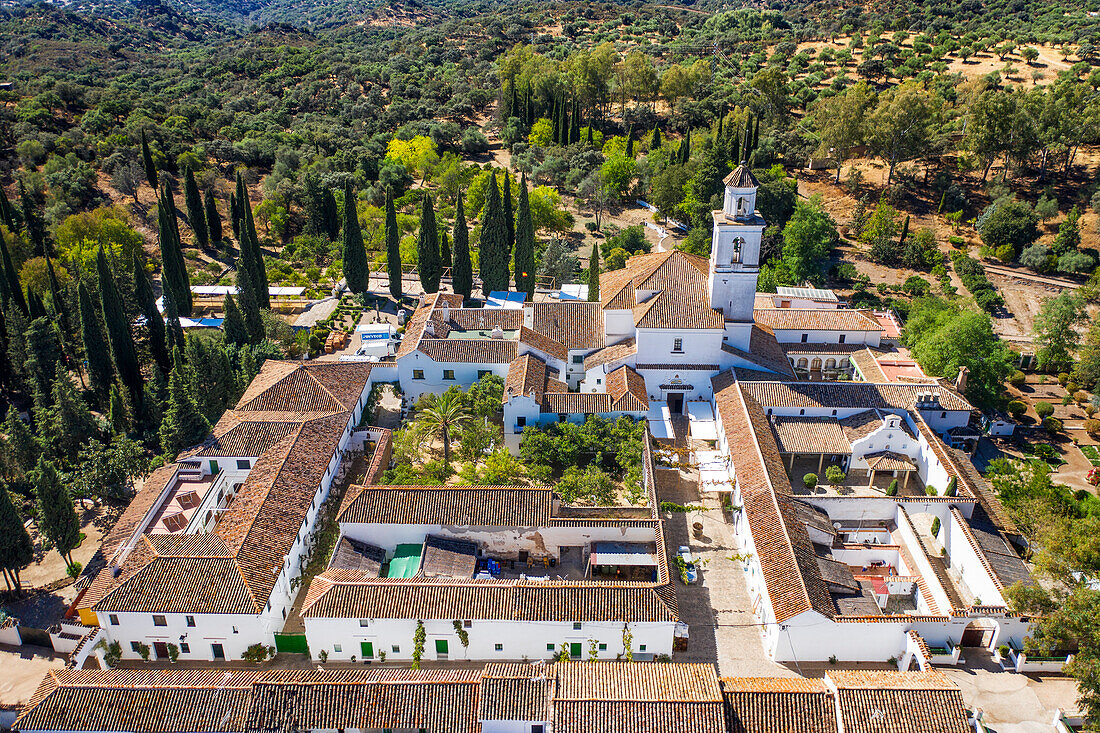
{"points": [[542, 342], [577, 403], [448, 557], [576, 324], [627, 390], [784, 550], [646, 698], [340, 595], [484, 319], [805, 434], [868, 366], [814, 319], [887, 460], [778, 705], [469, 351], [680, 282], [234, 568], [358, 556], [899, 702], [617, 290], [610, 354], [861, 424], [90, 700], [414, 327], [741, 177], [515, 692], [863, 395], [765, 351], [485, 506], [677, 309], [527, 377]]}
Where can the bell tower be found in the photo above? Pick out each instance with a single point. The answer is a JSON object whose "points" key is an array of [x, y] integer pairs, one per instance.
{"points": [[735, 255]]}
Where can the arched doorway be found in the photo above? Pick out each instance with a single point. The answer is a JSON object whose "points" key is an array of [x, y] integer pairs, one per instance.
{"points": [[980, 632]]}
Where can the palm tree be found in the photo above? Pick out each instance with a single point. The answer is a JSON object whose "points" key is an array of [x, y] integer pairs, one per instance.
{"points": [[441, 417]]}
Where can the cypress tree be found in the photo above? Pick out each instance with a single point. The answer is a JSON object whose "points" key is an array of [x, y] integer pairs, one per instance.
{"points": [[630, 142], [43, 353], [22, 447], [525, 243], [904, 231], [15, 324], [173, 331], [213, 218], [11, 278], [462, 271], [590, 141], [444, 248], [527, 106], [330, 213], [57, 300], [195, 214], [6, 372], [493, 248], [96, 351], [251, 254], [183, 424], [655, 139], [354, 252], [16, 548], [393, 250], [7, 212], [250, 308], [34, 306], [118, 330], [235, 216], [147, 163], [56, 514], [154, 322], [594, 274], [118, 415], [236, 332], [427, 247], [67, 425], [174, 269], [575, 128], [685, 149], [509, 215], [32, 223]]}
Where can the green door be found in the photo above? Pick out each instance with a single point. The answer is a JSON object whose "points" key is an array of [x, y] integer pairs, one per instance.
{"points": [[213, 467], [575, 650], [441, 647], [367, 647]]}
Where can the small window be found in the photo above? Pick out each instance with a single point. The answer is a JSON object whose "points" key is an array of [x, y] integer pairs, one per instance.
{"points": [[549, 647], [185, 648], [235, 630], [641, 648], [537, 728], [364, 623], [191, 621], [467, 624], [449, 374], [677, 346], [603, 647], [244, 464], [521, 421], [483, 373], [943, 414], [418, 373], [160, 621], [135, 646], [578, 358], [563, 416], [599, 381], [114, 620], [842, 337], [498, 647], [396, 649], [802, 411], [337, 648], [834, 413], [576, 626]]}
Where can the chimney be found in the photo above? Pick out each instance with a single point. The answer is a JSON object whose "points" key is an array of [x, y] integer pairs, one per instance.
{"points": [[498, 333], [960, 380], [445, 312], [429, 329]]}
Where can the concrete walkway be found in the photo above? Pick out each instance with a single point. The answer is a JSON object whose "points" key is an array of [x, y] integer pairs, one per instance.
{"points": [[717, 610]]}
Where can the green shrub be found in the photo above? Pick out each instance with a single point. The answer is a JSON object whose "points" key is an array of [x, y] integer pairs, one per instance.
{"points": [[810, 481], [834, 475], [1044, 410], [892, 489], [1052, 425], [936, 527], [1017, 379], [1016, 408], [952, 487]]}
